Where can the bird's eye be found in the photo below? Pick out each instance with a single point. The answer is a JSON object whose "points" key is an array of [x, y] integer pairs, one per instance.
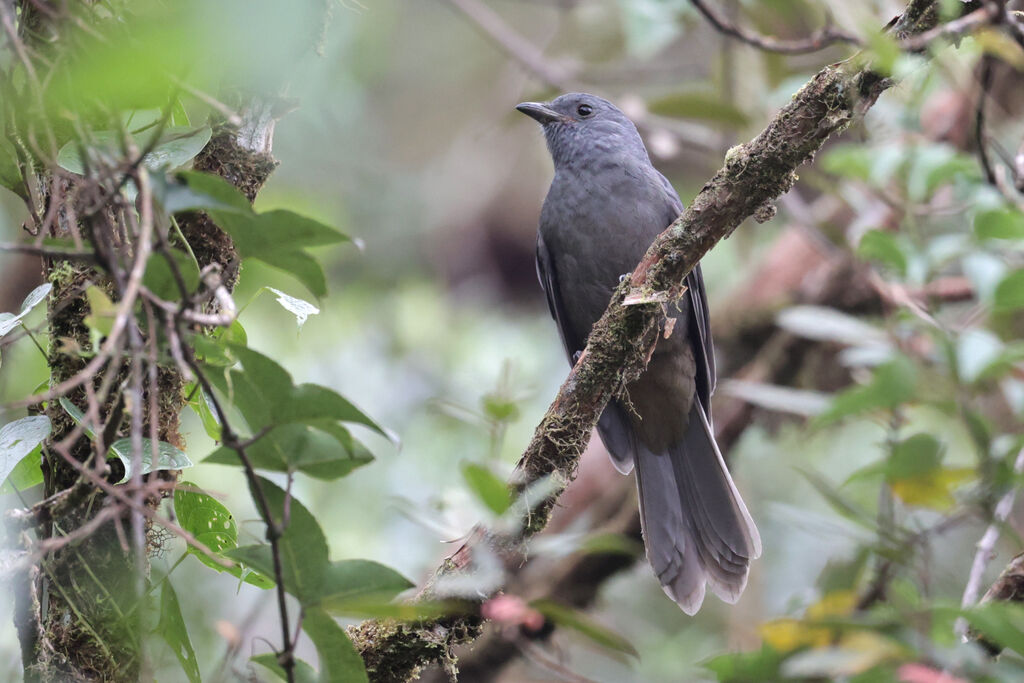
{"points": [[584, 110]]}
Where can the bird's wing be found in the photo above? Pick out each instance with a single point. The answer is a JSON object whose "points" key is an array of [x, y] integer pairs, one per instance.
{"points": [[704, 351], [548, 277]]}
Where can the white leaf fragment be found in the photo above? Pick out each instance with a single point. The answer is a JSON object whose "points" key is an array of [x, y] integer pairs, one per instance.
{"points": [[299, 308]]}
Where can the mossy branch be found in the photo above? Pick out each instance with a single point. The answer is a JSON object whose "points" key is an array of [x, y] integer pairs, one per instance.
{"points": [[754, 175]]}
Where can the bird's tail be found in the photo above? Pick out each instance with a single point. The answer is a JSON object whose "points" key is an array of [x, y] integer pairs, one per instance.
{"points": [[696, 528]]}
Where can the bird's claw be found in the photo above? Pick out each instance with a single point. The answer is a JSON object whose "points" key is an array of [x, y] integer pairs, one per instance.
{"points": [[576, 357], [624, 276]]}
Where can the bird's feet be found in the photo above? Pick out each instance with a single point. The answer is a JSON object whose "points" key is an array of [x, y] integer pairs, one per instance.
{"points": [[576, 357]]}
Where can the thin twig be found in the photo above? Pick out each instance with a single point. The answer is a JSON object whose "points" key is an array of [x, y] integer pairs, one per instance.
{"points": [[986, 545], [825, 37]]}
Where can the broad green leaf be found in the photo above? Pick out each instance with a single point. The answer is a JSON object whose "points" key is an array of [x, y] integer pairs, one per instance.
{"points": [[585, 625], [9, 321], [744, 667], [10, 172], [1009, 294], [1005, 224], [264, 393], [356, 582], [214, 526], [203, 407], [325, 451], [102, 312], [177, 146], [159, 278], [297, 307], [489, 489], [77, 415], [882, 246], [172, 629], [339, 660], [893, 384], [1000, 622], [167, 457], [303, 548], [304, 673], [197, 191], [699, 105], [883, 51], [279, 239], [19, 439], [137, 120], [26, 474]]}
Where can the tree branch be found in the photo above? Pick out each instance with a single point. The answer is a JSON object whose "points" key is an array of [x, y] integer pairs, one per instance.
{"points": [[829, 35]]}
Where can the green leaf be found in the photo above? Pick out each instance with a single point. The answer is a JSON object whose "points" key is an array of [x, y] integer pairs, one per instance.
{"points": [[1009, 294], [302, 545], [745, 667], [203, 407], [172, 629], [19, 439], [167, 457], [893, 384], [339, 660], [26, 474], [102, 312], [355, 582], [1004, 224], [584, 625], [490, 489], [264, 393], [213, 525], [77, 415], [159, 278], [304, 673], [1000, 622], [178, 146], [325, 451], [882, 246], [137, 120], [279, 239], [197, 191], [699, 105], [9, 321], [10, 171]]}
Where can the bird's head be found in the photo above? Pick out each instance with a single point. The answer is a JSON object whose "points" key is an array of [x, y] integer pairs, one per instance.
{"points": [[578, 125]]}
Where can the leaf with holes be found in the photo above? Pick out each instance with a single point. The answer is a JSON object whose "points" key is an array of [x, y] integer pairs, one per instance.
{"points": [[214, 526]]}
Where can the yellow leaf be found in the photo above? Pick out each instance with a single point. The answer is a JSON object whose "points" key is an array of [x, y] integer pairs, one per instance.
{"points": [[786, 635], [932, 489]]}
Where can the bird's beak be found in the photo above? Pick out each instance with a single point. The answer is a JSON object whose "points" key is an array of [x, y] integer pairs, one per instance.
{"points": [[540, 112]]}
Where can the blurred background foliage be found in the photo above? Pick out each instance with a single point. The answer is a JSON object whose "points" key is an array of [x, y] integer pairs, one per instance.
{"points": [[871, 329]]}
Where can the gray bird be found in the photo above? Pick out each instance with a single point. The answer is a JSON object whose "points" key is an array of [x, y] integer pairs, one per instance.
{"points": [[605, 206]]}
